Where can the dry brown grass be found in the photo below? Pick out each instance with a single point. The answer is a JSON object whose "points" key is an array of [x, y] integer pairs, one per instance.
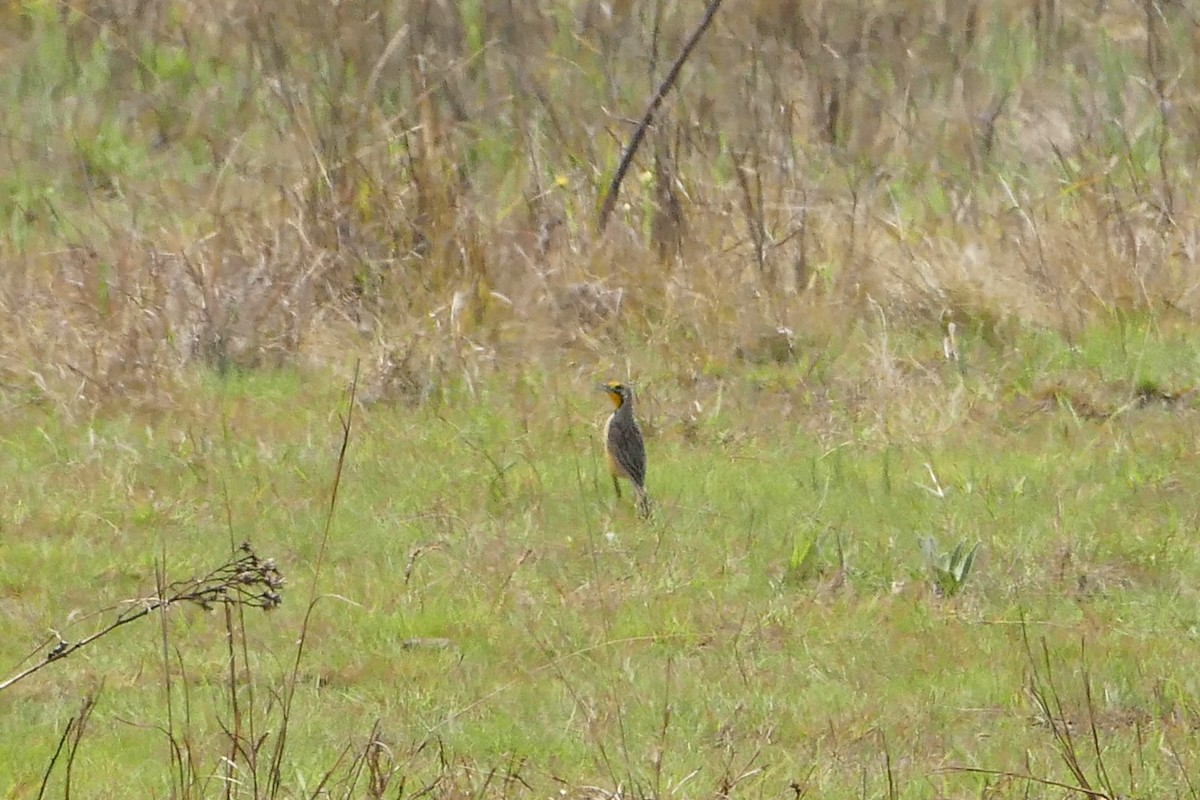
{"points": [[240, 185]]}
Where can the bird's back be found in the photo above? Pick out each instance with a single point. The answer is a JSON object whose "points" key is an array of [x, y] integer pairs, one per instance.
{"points": [[625, 445]]}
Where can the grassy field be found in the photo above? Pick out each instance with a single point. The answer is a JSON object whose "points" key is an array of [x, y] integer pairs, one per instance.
{"points": [[511, 629], [893, 281]]}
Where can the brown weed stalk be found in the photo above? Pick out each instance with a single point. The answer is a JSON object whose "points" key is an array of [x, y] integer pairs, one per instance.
{"points": [[246, 579]]}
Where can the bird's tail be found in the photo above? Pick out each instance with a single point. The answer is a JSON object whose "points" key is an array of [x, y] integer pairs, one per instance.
{"points": [[642, 501]]}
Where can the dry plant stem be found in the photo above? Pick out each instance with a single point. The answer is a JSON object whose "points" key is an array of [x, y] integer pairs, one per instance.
{"points": [[663, 741], [1046, 697], [183, 757], [1183, 770], [175, 758], [610, 197], [243, 730], [361, 765], [76, 726], [1045, 694], [275, 777], [1153, 13], [85, 714], [236, 735], [1101, 769], [246, 579], [62, 740], [1003, 773], [752, 204], [893, 792]]}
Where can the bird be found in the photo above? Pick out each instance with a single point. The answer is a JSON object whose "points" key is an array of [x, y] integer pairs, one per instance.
{"points": [[623, 445]]}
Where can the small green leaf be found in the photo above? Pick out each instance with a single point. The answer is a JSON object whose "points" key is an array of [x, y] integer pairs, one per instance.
{"points": [[949, 570], [970, 560], [803, 561]]}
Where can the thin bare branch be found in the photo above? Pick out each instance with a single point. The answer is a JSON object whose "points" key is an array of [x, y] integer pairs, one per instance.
{"points": [[275, 776], [610, 196]]}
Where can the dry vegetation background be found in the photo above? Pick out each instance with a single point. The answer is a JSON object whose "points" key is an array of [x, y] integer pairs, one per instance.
{"points": [[241, 183]]}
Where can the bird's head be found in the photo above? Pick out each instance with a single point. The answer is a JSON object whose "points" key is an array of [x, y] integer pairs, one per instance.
{"points": [[618, 392]]}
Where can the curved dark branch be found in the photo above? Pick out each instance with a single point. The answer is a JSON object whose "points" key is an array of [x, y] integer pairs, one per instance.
{"points": [[610, 197]]}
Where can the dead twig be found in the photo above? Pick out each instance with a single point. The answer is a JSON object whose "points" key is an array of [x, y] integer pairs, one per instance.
{"points": [[275, 774], [71, 737], [610, 196], [245, 579], [1002, 773]]}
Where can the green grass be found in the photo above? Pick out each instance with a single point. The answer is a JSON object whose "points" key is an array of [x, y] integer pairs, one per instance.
{"points": [[586, 648]]}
